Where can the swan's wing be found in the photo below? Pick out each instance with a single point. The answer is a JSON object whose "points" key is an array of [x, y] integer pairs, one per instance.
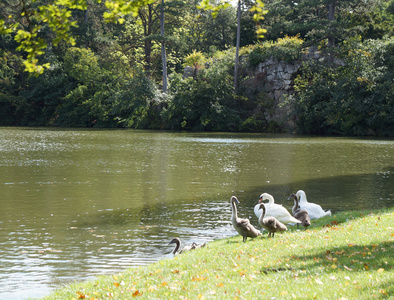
{"points": [[276, 210], [244, 222], [280, 213], [315, 211]]}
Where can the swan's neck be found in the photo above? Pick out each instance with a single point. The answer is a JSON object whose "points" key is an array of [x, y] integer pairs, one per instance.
{"points": [[270, 199], [296, 203], [234, 215], [302, 198], [295, 206], [262, 214], [177, 246]]}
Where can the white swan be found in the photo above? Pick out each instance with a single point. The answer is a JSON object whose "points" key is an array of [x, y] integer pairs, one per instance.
{"points": [[274, 210], [315, 211]]}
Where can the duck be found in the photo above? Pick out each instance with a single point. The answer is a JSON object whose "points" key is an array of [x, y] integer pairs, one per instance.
{"points": [[242, 226], [177, 243], [300, 214], [275, 210], [315, 211], [271, 224]]}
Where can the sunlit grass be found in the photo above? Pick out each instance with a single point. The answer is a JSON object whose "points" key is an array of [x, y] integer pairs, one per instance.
{"points": [[346, 256]]}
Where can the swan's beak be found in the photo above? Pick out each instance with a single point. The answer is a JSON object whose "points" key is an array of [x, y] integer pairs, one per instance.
{"points": [[236, 200], [261, 199]]}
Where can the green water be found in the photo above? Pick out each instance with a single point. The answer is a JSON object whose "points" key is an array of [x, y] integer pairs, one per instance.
{"points": [[78, 203]]}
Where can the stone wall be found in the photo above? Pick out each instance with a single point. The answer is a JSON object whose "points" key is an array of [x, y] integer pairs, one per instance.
{"points": [[275, 80]]}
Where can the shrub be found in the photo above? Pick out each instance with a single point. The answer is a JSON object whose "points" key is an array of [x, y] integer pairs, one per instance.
{"points": [[353, 99], [286, 49]]}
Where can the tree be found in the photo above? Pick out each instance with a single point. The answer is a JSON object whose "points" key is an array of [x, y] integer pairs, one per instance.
{"points": [[237, 47], [316, 20], [27, 20], [163, 48], [258, 16]]}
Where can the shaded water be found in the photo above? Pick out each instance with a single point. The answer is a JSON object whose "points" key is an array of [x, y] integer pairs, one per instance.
{"points": [[78, 203]]}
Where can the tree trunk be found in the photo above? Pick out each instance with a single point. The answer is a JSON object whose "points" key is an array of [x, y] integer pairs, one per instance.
{"points": [[331, 18], [163, 48], [147, 23], [237, 48]]}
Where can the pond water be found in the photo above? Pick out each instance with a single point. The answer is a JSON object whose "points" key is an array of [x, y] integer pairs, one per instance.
{"points": [[79, 203]]}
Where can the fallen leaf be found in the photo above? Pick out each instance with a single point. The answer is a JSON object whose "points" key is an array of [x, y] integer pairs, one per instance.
{"points": [[219, 284], [383, 292], [137, 293], [198, 278], [380, 270]]}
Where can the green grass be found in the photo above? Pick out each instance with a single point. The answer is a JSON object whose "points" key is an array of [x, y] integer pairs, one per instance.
{"points": [[346, 256]]}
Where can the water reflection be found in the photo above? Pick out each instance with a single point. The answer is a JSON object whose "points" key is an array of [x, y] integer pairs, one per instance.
{"points": [[79, 203]]}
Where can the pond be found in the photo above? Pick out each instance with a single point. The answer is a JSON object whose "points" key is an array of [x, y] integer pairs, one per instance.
{"points": [[76, 203]]}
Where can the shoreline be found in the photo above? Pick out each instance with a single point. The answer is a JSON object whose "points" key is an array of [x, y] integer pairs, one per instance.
{"points": [[353, 250]]}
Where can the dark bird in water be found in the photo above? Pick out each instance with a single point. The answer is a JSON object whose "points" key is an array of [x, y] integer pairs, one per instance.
{"points": [[242, 226], [177, 249], [298, 213], [271, 224]]}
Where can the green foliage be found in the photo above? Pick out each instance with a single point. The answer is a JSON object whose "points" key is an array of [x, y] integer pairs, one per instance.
{"points": [[137, 105], [12, 105], [311, 20], [81, 65], [288, 49], [57, 18], [109, 78], [207, 103], [354, 98], [196, 59], [200, 105]]}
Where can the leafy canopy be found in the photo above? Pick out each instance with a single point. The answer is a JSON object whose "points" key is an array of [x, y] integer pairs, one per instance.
{"points": [[27, 20]]}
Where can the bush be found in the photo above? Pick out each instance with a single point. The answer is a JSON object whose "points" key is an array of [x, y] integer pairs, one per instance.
{"points": [[353, 99], [206, 102], [286, 49]]}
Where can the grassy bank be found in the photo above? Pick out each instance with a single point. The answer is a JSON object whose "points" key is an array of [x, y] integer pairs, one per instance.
{"points": [[349, 255]]}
